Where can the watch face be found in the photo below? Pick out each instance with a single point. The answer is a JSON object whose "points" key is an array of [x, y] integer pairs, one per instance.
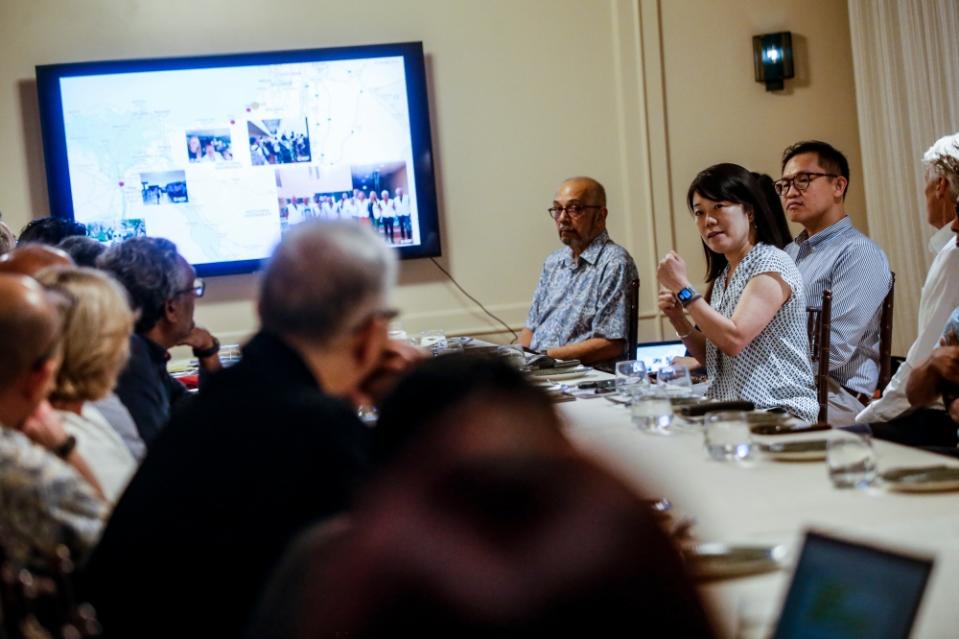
{"points": [[684, 294]]}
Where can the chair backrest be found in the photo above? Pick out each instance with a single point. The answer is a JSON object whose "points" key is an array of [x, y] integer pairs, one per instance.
{"points": [[632, 318], [885, 336], [818, 327]]}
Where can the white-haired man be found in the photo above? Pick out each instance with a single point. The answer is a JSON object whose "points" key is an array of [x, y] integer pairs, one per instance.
{"points": [[269, 447], [940, 295]]}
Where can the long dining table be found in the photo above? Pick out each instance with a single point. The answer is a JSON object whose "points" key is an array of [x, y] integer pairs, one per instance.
{"points": [[763, 501]]}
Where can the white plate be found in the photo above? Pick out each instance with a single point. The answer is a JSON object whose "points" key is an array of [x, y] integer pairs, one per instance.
{"points": [[929, 479], [807, 450]]}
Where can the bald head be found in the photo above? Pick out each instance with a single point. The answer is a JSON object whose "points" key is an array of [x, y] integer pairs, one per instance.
{"points": [[30, 259], [29, 326], [591, 190]]}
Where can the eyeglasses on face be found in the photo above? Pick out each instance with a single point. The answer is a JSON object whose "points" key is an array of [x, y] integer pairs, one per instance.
{"points": [[198, 288], [801, 181], [575, 211]]}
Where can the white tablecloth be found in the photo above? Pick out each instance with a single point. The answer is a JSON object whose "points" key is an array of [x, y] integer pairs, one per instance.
{"points": [[771, 501]]}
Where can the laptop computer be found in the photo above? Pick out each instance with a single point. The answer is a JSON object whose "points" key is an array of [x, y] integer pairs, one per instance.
{"points": [[843, 589], [655, 355]]}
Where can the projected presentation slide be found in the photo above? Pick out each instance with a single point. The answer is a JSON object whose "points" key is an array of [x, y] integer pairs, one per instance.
{"points": [[222, 160]]}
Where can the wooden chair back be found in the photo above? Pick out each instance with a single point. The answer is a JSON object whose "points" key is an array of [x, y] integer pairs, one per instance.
{"points": [[818, 327]]}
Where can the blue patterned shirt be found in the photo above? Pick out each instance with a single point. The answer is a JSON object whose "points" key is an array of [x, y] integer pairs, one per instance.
{"points": [[576, 300], [856, 270]]}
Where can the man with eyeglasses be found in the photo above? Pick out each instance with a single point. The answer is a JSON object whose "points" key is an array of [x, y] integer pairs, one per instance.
{"points": [[831, 253], [579, 310], [163, 290], [270, 446]]}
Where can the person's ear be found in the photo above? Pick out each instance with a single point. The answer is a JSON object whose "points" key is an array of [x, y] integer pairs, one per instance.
{"points": [[841, 185], [367, 344], [942, 187], [170, 308]]}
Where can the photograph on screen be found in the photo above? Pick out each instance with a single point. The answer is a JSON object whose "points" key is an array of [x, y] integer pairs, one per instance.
{"points": [[385, 189], [301, 191], [279, 141], [327, 132], [209, 145], [164, 187], [116, 231]]}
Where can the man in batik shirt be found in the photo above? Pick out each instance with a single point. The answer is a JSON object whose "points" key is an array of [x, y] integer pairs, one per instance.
{"points": [[579, 309]]}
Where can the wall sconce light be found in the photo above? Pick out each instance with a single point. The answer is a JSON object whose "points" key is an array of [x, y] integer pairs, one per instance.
{"points": [[773, 59]]}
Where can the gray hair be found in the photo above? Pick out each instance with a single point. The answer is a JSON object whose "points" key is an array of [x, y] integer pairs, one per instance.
{"points": [[324, 277], [941, 159], [148, 269], [8, 240]]}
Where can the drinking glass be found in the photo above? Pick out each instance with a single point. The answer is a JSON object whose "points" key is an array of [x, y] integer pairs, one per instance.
{"points": [[727, 436], [513, 355], [432, 338], [675, 381], [652, 413], [631, 379], [851, 461]]}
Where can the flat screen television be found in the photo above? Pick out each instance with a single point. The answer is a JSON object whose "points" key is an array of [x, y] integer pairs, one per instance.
{"points": [[221, 153]]}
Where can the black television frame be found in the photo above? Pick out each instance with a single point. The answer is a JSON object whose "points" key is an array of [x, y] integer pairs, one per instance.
{"points": [[55, 146]]}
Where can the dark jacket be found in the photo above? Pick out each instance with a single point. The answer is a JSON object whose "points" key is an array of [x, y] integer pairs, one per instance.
{"points": [[261, 453]]}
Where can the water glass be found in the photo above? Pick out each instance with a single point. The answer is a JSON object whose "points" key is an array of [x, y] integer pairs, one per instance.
{"points": [[651, 413], [727, 436], [513, 355], [631, 379], [675, 381], [851, 461]]}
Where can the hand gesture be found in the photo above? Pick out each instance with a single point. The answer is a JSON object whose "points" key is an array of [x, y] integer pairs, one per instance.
{"points": [[672, 273], [44, 427], [669, 305]]}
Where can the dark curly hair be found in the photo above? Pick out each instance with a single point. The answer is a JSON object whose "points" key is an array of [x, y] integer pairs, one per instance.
{"points": [[147, 268], [49, 230]]}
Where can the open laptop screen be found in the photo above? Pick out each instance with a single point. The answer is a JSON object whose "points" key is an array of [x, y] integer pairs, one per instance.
{"points": [[655, 355], [842, 589]]}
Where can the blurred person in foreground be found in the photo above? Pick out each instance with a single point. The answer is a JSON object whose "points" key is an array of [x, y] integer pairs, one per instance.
{"points": [[268, 447], [484, 522]]}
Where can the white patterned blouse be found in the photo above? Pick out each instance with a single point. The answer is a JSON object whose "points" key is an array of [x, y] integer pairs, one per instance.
{"points": [[773, 371]]}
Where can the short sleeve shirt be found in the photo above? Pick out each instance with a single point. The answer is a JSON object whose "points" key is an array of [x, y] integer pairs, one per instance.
{"points": [[773, 371], [576, 300], [43, 501]]}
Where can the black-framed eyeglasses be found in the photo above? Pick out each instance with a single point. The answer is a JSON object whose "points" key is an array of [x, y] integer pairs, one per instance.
{"points": [[801, 181], [198, 288], [575, 211]]}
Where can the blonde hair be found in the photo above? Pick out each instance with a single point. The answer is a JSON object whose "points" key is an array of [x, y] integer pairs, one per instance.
{"points": [[96, 332]]}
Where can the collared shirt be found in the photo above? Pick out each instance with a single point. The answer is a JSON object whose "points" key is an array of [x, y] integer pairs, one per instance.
{"points": [[856, 270], [44, 502], [772, 371], [940, 295], [576, 300], [146, 388]]}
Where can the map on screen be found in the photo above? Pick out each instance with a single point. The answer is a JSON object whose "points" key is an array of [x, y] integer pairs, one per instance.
{"points": [[222, 160]]}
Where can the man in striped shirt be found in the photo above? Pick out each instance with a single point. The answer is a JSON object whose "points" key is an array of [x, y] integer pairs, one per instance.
{"points": [[831, 253]]}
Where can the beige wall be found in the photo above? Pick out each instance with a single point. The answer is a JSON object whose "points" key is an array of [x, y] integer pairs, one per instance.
{"points": [[639, 94]]}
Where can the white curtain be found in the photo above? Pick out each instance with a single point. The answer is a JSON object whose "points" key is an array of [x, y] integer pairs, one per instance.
{"points": [[906, 61]]}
